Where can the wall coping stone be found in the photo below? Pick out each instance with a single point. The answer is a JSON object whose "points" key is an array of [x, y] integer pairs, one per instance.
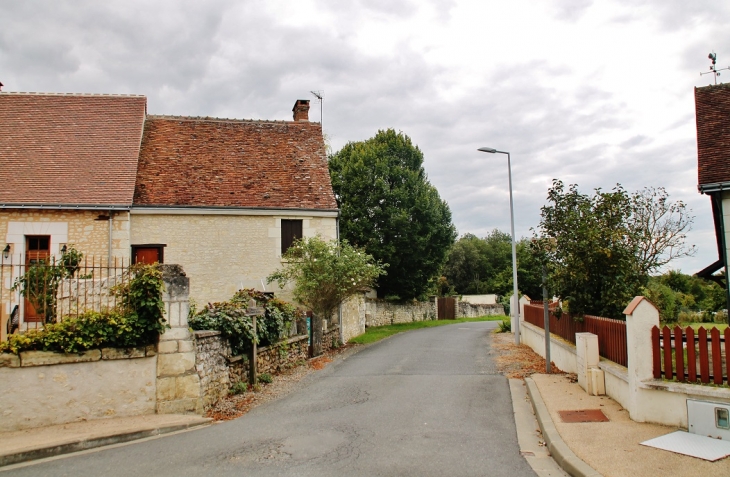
{"points": [[686, 388], [123, 353], [8, 360], [46, 358], [206, 333], [615, 369]]}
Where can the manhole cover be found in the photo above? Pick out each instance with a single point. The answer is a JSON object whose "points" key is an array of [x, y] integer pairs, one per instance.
{"points": [[584, 415]]}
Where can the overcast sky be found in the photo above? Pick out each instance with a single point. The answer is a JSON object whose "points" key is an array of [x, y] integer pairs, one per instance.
{"points": [[590, 92]]}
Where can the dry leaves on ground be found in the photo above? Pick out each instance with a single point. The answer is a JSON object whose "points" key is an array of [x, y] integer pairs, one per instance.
{"points": [[237, 405], [517, 361]]}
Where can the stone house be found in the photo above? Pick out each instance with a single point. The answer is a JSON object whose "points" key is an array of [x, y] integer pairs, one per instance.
{"points": [[223, 198], [67, 168], [712, 108]]}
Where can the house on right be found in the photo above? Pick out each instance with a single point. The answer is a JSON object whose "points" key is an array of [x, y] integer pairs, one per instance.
{"points": [[712, 107]]}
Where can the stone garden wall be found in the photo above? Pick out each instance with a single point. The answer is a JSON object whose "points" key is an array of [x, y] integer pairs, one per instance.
{"points": [[472, 310], [218, 371]]}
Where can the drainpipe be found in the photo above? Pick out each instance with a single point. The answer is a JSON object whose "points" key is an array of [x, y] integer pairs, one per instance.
{"points": [[339, 308], [111, 218]]}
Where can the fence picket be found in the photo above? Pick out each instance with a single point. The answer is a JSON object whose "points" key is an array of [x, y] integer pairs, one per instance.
{"points": [[716, 356], [679, 353], [667, 336], [704, 360], [691, 355], [727, 354]]}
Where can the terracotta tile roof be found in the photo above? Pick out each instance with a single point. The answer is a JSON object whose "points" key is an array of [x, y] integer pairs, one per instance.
{"points": [[712, 106], [70, 149], [209, 162]]}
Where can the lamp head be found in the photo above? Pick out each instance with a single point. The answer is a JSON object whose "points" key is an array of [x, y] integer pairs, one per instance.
{"points": [[6, 250], [487, 149]]}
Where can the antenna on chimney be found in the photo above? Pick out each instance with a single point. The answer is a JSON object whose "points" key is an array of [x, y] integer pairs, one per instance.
{"points": [[320, 99], [713, 69]]}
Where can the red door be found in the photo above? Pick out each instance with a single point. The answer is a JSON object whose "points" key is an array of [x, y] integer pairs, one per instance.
{"points": [[37, 252], [141, 254]]}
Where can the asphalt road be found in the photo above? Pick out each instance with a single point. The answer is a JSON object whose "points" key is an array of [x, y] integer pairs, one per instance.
{"points": [[422, 403]]}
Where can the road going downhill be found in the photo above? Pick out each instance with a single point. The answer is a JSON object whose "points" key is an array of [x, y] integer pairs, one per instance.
{"points": [[423, 403]]}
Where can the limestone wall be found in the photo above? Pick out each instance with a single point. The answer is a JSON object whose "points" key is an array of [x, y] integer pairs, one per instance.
{"points": [[472, 310], [43, 388], [379, 312], [224, 253]]}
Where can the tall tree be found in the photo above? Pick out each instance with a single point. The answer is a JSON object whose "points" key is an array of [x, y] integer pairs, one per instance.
{"points": [[390, 209], [591, 250]]}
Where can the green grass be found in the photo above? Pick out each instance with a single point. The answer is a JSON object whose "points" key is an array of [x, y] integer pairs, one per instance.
{"points": [[377, 333], [720, 326]]}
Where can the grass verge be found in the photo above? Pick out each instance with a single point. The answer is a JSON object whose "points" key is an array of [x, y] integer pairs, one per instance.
{"points": [[709, 326], [377, 333]]}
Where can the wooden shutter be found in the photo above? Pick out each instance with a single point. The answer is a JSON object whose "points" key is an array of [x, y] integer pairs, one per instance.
{"points": [[291, 231]]}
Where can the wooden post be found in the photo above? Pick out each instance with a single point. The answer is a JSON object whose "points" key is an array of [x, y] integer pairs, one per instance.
{"points": [[252, 372]]}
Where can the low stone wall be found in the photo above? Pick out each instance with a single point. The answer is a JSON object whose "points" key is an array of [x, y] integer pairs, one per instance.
{"points": [[380, 312], [472, 310], [42, 388], [218, 370]]}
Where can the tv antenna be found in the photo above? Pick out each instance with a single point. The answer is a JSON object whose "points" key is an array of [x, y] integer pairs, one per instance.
{"points": [[713, 69], [320, 99]]}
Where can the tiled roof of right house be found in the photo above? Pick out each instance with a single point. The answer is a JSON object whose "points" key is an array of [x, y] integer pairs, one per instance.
{"points": [[712, 105], [229, 163]]}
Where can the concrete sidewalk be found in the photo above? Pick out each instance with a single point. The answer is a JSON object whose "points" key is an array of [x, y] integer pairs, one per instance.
{"points": [[610, 449], [31, 444]]}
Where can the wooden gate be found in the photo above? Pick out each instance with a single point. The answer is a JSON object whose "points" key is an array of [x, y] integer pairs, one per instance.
{"points": [[446, 308]]}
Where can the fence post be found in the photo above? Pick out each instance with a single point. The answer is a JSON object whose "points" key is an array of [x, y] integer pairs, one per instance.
{"points": [[641, 317], [178, 383]]}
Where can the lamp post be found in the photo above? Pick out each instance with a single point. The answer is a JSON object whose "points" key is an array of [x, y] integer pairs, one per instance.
{"points": [[516, 304]]}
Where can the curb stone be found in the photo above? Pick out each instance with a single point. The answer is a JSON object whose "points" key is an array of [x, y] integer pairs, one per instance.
{"points": [[560, 451], [85, 444]]}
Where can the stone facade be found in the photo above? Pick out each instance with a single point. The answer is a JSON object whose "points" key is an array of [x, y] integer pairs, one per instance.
{"points": [[224, 253], [379, 312]]}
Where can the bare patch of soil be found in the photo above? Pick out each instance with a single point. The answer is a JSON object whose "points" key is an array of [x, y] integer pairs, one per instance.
{"points": [[234, 406], [517, 361]]}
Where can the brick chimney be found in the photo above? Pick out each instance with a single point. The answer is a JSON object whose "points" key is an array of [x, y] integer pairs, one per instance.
{"points": [[301, 110]]}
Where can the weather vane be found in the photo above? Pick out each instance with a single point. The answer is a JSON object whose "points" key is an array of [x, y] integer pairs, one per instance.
{"points": [[713, 69], [320, 98]]}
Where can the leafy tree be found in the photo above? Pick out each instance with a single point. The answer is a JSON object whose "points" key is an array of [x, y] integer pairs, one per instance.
{"points": [[390, 209], [660, 228], [590, 249], [478, 265], [325, 274]]}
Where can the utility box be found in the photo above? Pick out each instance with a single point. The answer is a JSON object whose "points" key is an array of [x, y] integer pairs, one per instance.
{"points": [[586, 347], [711, 419], [596, 382]]}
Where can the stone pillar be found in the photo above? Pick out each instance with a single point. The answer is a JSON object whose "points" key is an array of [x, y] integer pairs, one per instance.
{"points": [[178, 383], [641, 317], [523, 299]]}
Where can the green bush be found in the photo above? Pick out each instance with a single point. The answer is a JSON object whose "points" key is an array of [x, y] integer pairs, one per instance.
{"points": [[230, 318], [136, 322], [239, 388], [505, 326], [266, 378]]}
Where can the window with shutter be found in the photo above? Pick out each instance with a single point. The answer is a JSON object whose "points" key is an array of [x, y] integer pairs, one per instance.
{"points": [[291, 231]]}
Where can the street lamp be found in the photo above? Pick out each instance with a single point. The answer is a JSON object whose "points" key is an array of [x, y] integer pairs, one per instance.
{"points": [[516, 302]]}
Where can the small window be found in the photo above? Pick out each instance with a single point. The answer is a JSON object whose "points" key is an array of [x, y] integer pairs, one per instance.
{"points": [[149, 253], [291, 231], [722, 419]]}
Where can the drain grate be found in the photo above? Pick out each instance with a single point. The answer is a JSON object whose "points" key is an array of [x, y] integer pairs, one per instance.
{"points": [[583, 415]]}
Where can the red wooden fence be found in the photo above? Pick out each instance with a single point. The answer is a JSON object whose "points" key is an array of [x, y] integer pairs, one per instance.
{"points": [[706, 359], [611, 333]]}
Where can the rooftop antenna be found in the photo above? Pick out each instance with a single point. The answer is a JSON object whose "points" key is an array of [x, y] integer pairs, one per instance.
{"points": [[320, 99], [713, 69]]}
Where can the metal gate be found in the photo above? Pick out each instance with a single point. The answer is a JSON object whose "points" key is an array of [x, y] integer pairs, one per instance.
{"points": [[446, 308]]}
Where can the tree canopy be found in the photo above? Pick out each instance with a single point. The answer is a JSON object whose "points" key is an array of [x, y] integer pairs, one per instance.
{"points": [[389, 208], [324, 274], [484, 265], [601, 248]]}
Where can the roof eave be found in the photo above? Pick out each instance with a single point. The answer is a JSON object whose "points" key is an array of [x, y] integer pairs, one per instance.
{"points": [[714, 187], [65, 206]]}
